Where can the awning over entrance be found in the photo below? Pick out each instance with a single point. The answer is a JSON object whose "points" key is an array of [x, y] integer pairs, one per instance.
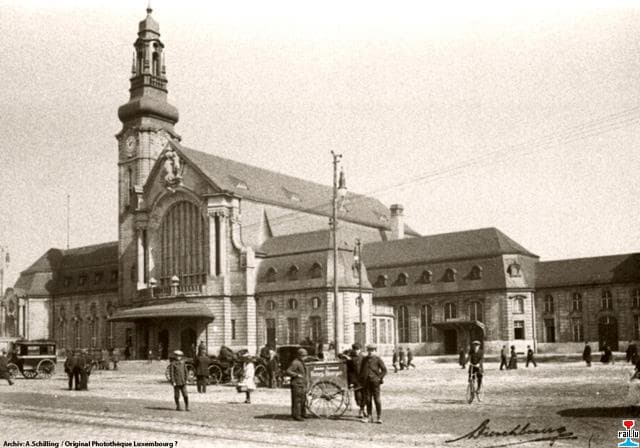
{"points": [[465, 325], [167, 310]]}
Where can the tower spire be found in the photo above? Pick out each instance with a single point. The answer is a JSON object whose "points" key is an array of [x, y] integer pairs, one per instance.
{"points": [[149, 9]]}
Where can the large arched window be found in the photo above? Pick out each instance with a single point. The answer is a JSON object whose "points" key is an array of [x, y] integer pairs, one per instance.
{"points": [[426, 319], [450, 311], [184, 245], [475, 311], [403, 324]]}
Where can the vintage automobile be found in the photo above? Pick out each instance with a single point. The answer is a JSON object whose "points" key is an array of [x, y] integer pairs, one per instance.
{"points": [[33, 359]]}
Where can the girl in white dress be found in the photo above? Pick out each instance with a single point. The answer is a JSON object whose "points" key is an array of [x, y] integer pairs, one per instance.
{"points": [[248, 383]]}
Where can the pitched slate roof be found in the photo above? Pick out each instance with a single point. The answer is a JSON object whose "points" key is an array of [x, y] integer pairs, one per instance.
{"points": [[280, 189], [589, 271], [468, 244]]}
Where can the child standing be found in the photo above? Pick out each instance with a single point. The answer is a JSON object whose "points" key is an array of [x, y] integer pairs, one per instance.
{"points": [[248, 383]]}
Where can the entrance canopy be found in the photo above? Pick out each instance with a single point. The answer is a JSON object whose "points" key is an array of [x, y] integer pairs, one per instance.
{"points": [[167, 310], [464, 325]]}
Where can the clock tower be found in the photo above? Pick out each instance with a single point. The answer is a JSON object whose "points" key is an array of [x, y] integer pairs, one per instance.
{"points": [[147, 118], [147, 125]]}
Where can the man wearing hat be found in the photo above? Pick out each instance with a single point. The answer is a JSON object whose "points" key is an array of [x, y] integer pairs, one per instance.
{"points": [[476, 358], [298, 373], [372, 373], [178, 375]]}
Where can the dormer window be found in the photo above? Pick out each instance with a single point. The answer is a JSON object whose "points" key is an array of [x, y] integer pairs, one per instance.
{"points": [[514, 270], [402, 279], [238, 183], [292, 274], [381, 281], [292, 304], [425, 277], [450, 275], [291, 195], [270, 305], [476, 273], [316, 271], [270, 276]]}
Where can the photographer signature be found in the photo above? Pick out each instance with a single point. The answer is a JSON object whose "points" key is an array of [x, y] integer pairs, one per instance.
{"points": [[546, 434]]}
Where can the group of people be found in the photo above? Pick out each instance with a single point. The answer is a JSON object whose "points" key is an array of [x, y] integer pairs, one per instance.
{"points": [[365, 375], [607, 354], [402, 358], [78, 366]]}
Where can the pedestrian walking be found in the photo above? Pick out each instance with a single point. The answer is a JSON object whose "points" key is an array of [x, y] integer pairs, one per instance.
{"points": [[513, 359], [127, 352], [410, 359], [462, 357], [298, 373], [607, 355], [115, 357], [159, 351], [4, 367], [503, 358], [84, 368], [70, 368], [402, 359], [530, 358], [248, 383], [178, 376], [394, 360], [274, 369], [149, 356], [586, 354], [372, 373], [104, 359], [632, 351], [201, 364], [353, 373]]}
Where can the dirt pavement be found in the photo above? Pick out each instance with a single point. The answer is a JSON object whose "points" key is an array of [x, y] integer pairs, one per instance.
{"points": [[564, 403]]}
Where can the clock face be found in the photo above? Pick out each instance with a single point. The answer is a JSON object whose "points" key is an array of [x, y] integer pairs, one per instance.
{"points": [[131, 142]]}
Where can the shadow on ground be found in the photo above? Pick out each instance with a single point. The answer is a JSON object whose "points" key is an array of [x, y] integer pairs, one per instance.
{"points": [[612, 412]]}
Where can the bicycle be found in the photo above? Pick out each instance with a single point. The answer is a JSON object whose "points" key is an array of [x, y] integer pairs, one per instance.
{"points": [[472, 387]]}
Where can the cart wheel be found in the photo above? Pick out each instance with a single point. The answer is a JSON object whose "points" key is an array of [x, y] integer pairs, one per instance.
{"points": [[167, 373], [215, 374], [13, 370], [46, 368], [327, 399], [262, 376], [29, 374]]}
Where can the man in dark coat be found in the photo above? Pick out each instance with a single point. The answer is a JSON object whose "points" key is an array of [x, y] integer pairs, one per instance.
{"points": [[401, 358], [358, 389], [70, 367], [178, 376], [530, 357], [462, 358], [410, 359], [4, 367], [394, 360], [372, 373], [503, 357], [298, 373], [632, 350], [586, 354], [201, 363], [84, 369]]}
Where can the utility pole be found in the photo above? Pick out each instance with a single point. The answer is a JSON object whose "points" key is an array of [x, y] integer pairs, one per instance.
{"points": [[68, 202], [339, 192], [359, 299]]}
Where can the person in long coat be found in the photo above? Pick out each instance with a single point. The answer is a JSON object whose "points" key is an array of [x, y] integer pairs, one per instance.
{"points": [[586, 354], [410, 359], [356, 382], [178, 375], [503, 358], [462, 358], [372, 373], [4, 367], [513, 359], [201, 363], [70, 368], [298, 373], [84, 365]]}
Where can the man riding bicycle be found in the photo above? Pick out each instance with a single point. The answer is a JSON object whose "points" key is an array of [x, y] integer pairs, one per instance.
{"points": [[476, 357]]}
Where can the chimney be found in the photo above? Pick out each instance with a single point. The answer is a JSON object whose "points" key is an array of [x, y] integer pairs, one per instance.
{"points": [[397, 222]]}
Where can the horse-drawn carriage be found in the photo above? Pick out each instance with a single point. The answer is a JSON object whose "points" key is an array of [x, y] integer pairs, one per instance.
{"points": [[32, 359]]}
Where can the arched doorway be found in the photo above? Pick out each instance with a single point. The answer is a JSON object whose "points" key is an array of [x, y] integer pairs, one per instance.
{"points": [[608, 332], [188, 341], [163, 342]]}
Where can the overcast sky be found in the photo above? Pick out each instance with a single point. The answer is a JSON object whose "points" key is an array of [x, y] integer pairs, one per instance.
{"points": [[521, 118]]}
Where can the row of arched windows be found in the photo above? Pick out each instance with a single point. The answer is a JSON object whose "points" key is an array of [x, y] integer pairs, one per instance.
{"points": [[293, 273], [606, 301], [449, 275]]}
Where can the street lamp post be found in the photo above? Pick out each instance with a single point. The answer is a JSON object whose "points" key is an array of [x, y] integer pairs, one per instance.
{"points": [[360, 300], [339, 192]]}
